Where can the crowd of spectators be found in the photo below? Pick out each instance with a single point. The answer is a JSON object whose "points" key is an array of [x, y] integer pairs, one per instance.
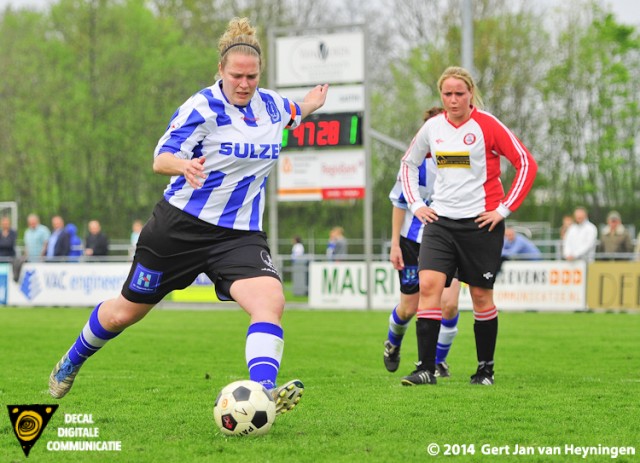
{"points": [[583, 241], [61, 243], [580, 239]]}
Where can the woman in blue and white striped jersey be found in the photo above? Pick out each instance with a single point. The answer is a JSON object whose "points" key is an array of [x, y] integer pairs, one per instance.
{"points": [[218, 149]]}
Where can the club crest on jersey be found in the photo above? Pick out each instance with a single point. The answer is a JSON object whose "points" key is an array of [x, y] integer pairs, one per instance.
{"points": [[272, 109], [469, 139]]}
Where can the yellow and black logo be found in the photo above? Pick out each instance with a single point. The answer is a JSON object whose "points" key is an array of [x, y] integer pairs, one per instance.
{"points": [[28, 422], [457, 159]]}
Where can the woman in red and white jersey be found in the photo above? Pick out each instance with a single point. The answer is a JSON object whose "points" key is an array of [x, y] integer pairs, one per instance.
{"points": [[465, 219]]}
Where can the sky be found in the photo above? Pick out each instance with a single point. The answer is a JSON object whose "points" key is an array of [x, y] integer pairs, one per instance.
{"points": [[626, 11]]}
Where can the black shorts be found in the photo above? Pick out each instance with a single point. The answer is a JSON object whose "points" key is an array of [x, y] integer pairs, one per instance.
{"points": [[409, 280], [175, 247], [449, 244]]}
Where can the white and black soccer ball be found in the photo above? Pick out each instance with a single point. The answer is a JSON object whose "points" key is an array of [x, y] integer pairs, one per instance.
{"points": [[244, 408]]}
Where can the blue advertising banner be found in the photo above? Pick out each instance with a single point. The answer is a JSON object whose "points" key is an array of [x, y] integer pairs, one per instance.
{"points": [[4, 277]]}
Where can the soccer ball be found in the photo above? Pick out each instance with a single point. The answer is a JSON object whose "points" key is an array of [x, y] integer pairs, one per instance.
{"points": [[244, 408]]}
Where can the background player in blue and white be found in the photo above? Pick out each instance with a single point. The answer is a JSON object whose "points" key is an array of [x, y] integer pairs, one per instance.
{"points": [[406, 236], [219, 149]]}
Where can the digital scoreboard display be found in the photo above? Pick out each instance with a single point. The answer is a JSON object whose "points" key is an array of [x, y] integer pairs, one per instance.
{"points": [[325, 131]]}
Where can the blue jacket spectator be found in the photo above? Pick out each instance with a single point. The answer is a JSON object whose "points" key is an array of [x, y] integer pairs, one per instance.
{"points": [[75, 243], [517, 246]]}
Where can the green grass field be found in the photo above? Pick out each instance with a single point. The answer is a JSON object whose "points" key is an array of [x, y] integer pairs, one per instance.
{"points": [[561, 379]]}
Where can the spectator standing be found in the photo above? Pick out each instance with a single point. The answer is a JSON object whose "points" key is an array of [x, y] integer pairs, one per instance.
{"points": [[8, 237], [35, 238], [615, 238], [337, 247], [136, 228], [518, 247], [580, 241], [567, 221], [299, 268], [297, 250], [96, 243], [59, 243], [75, 243]]}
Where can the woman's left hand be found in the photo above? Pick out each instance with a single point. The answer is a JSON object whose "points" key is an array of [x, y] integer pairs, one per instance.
{"points": [[491, 218], [314, 99]]}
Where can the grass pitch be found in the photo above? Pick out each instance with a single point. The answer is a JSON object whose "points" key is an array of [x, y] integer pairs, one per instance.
{"points": [[561, 379]]}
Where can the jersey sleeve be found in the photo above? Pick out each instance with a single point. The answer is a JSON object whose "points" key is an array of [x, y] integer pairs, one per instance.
{"points": [[507, 144], [410, 169], [187, 127], [292, 110], [396, 195]]}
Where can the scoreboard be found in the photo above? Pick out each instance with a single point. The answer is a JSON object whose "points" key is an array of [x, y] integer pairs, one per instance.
{"points": [[324, 130]]}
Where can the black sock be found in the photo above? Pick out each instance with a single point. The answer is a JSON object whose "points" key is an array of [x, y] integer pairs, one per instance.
{"points": [[486, 335], [427, 331]]}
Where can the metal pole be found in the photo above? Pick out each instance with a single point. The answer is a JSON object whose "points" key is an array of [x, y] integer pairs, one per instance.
{"points": [[467, 35], [368, 190], [272, 190]]}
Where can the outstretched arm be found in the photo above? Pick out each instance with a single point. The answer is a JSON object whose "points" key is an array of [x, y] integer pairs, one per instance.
{"points": [[313, 100]]}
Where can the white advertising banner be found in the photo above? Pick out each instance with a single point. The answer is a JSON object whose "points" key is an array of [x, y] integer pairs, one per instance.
{"points": [[321, 175], [340, 99], [343, 285], [67, 284], [539, 285], [320, 59]]}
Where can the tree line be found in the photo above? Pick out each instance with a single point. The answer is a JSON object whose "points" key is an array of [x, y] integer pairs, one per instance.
{"points": [[89, 85]]}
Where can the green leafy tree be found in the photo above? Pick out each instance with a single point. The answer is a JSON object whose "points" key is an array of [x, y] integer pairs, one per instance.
{"points": [[89, 85], [97, 93], [509, 56], [592, 97]]}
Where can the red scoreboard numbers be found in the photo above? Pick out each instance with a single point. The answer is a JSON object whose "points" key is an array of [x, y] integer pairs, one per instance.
{"points": [[325, 131]]}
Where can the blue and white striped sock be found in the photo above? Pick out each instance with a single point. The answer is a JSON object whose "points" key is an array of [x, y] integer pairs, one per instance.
{"points": [[263, 351], [397, 327], [92, 338], [448, 331]]}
